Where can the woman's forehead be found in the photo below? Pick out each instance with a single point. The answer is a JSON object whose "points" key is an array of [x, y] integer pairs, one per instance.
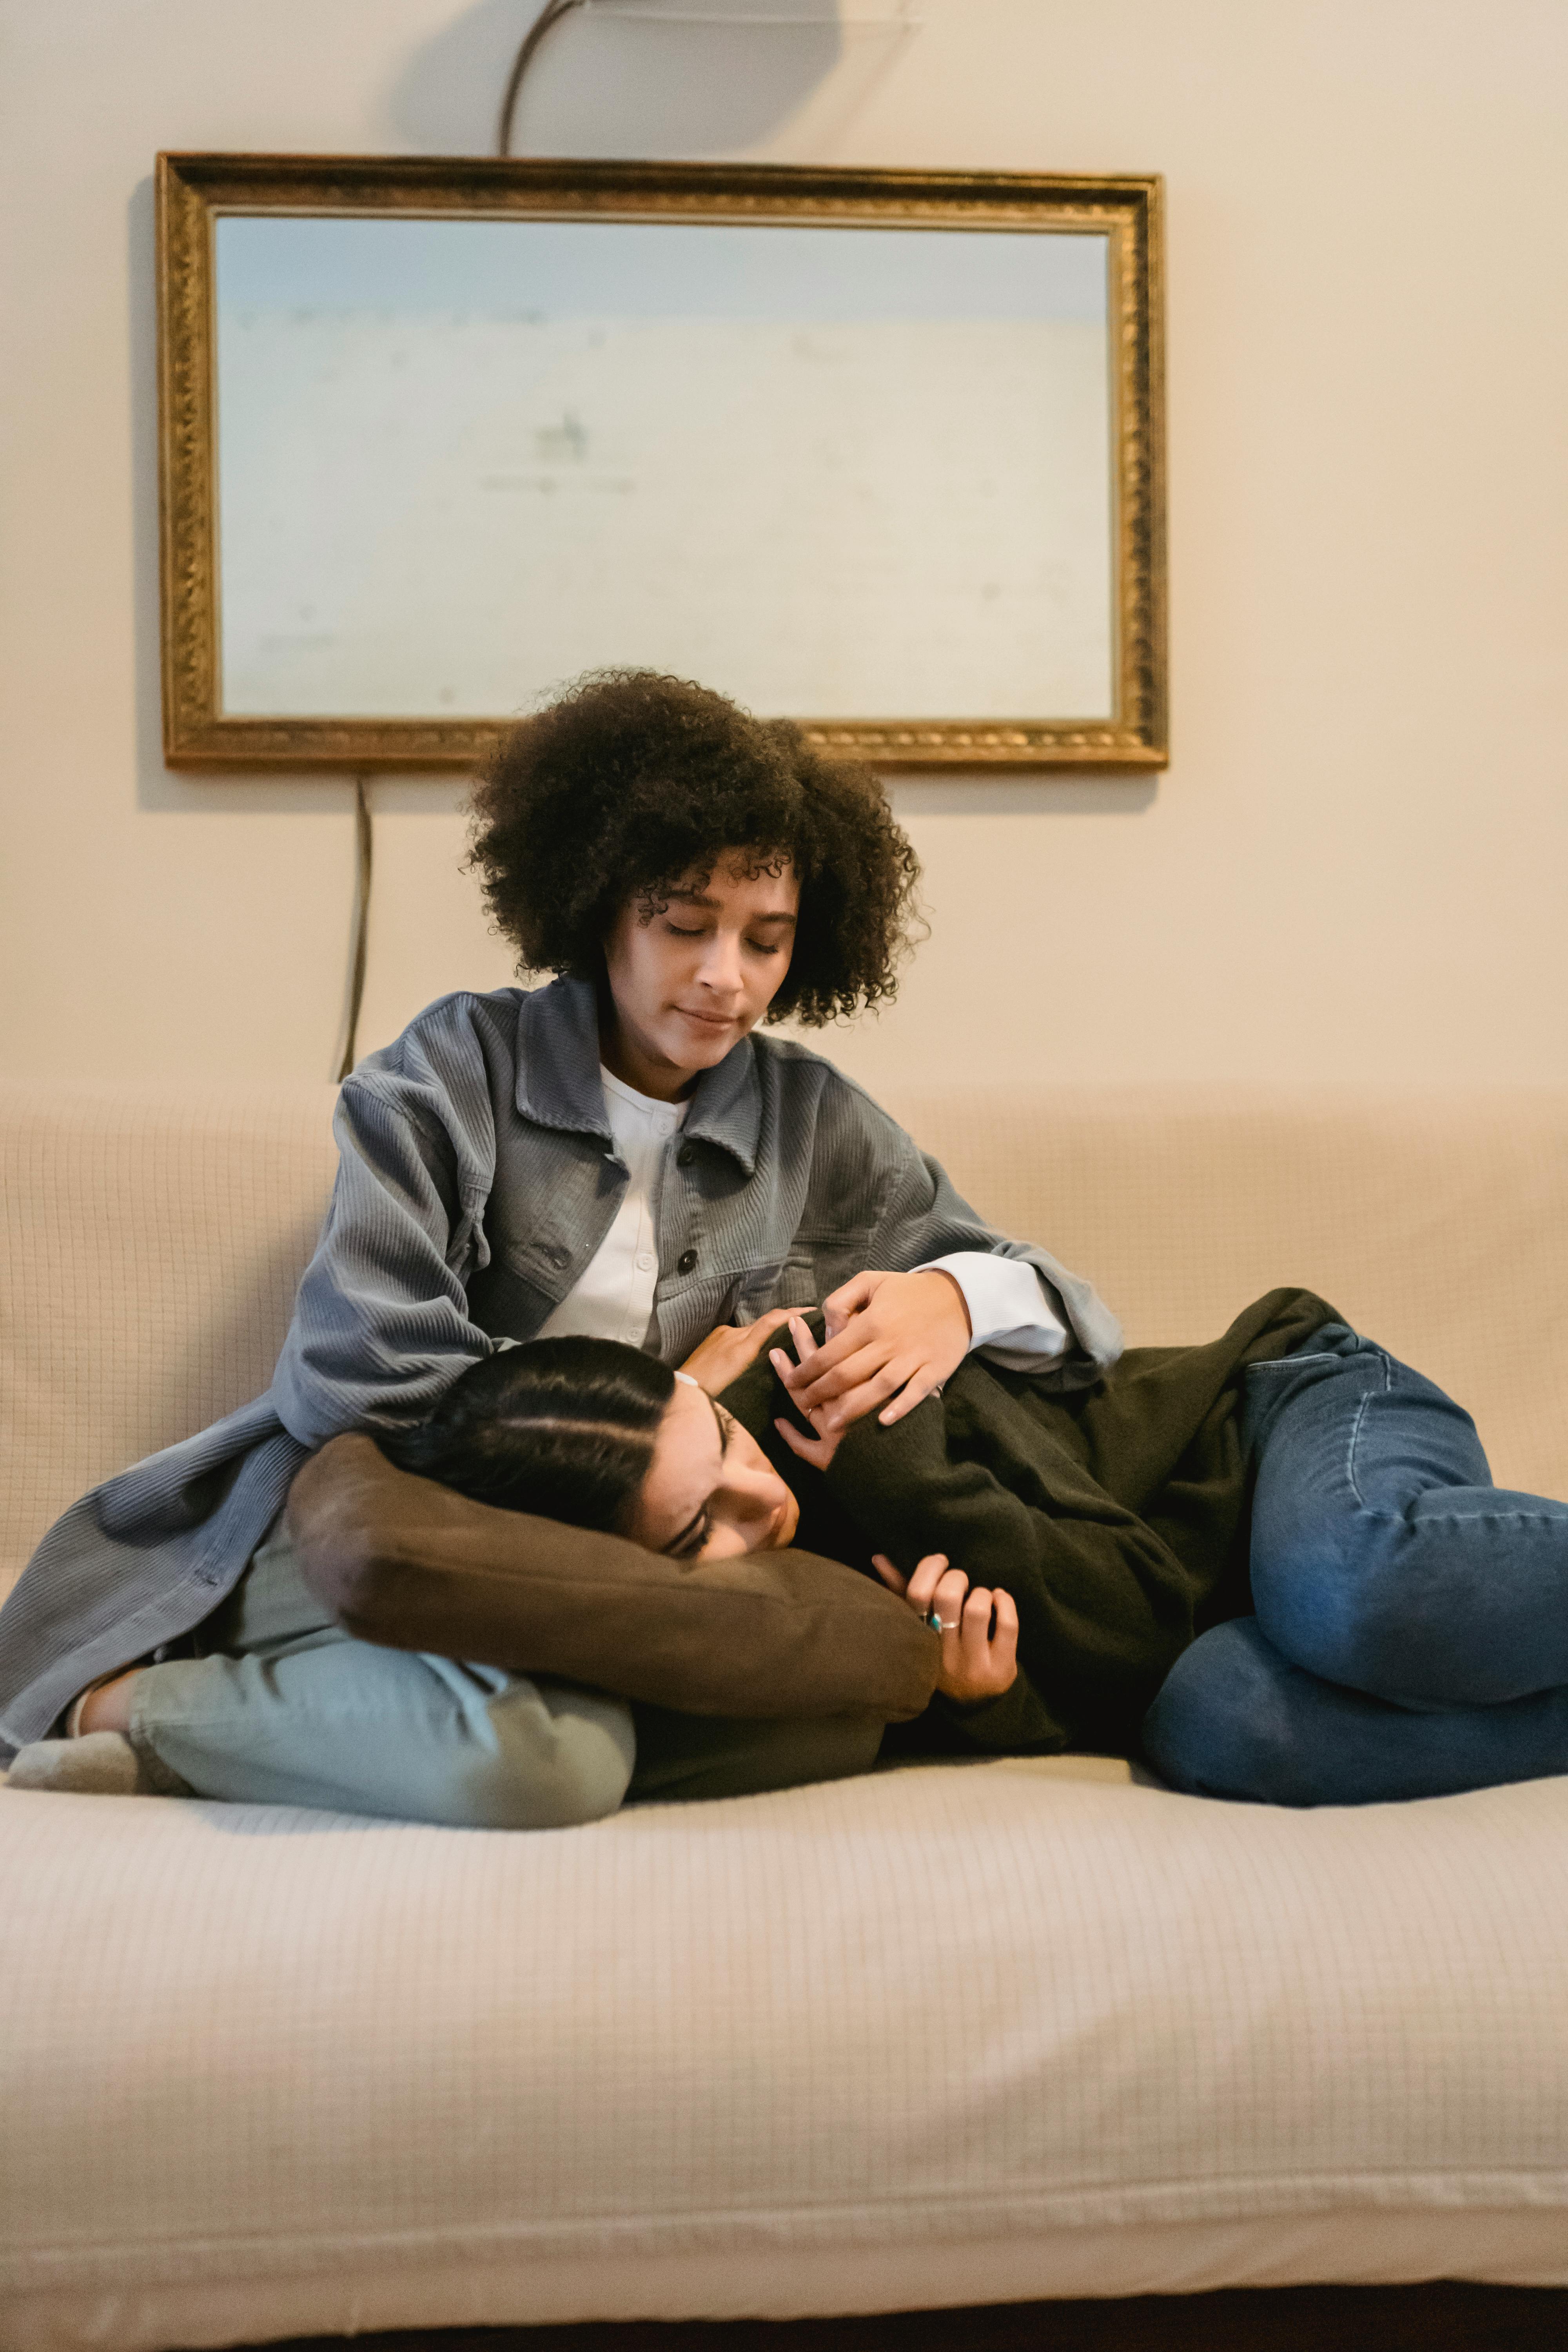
{"points": [[687, 1453]]}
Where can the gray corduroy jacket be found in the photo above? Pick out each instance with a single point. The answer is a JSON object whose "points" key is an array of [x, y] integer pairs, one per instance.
{"points": [[478, 1178]]}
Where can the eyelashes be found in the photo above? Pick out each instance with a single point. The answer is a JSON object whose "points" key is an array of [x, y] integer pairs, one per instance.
{"points": [[757, 947]]}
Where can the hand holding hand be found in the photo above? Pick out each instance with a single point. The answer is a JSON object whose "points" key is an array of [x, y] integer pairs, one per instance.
{"points": [[727, 1352], [889, 1335], [819, 1450], [979, 1628]]}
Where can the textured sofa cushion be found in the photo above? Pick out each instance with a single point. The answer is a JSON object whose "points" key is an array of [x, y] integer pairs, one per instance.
{"points": [[953, 2033]]}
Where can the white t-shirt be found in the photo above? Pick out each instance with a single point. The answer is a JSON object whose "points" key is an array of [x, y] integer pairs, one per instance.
{"points": [[1010, 1312], [612, 1298]]}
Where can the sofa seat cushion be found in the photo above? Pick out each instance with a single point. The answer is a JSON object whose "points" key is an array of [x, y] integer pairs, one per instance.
{"points": [[953, 2033]]}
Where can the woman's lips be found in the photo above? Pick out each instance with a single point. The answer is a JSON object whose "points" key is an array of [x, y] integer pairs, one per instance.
{"points": [[707, 1020]]}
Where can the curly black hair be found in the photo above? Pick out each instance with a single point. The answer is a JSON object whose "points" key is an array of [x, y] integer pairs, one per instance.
{"points": [[633, 781]]}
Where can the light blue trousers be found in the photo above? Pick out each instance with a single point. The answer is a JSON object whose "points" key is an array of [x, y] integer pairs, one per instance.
{"points": [[285, 1708]]}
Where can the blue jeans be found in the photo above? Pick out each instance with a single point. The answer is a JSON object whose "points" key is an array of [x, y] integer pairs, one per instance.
{"points": [[1411, 1634]]}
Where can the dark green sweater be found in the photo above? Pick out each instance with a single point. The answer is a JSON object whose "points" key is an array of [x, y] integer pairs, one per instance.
{"points": [[1117, 1516]]}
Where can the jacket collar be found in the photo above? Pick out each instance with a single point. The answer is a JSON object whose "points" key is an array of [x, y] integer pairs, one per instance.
{"points": [[558, 1082]]}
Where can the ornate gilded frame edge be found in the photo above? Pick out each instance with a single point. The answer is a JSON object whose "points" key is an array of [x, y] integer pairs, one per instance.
{"points": [[191, 189]]}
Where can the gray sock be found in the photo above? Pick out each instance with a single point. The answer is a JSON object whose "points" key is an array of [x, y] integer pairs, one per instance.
{"points": [[98, 1764]]}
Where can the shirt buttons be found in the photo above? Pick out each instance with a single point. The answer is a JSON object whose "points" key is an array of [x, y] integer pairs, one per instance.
{"points": [[645, 1263], [686, 1261]]}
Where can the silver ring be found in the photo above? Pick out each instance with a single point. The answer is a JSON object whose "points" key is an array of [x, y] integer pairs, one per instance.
{"points": [[938, 1626]]}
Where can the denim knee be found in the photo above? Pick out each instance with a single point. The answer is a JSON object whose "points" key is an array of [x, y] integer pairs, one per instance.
{"points": [[1222, 1726], [1353, 1620]]}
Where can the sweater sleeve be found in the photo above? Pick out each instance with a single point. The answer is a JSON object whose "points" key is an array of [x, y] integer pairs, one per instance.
{"points": [[1104, 1605], [380, 1325], [1018, 1722]]}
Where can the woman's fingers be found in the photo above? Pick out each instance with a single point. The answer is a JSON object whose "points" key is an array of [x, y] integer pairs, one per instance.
{"points": [[856, 1386], [889, 1573], [974, 1630], [821, 1374], [979, 1630], [766, 1324], [987, 1661], [924, 1583], [1005, 1641], [818, 1451], [947, 1608], [924, 1381], [848, 1300], [729, 1348], [855, 1403]]}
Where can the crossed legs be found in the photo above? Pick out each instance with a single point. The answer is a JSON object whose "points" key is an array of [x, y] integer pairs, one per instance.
{"points": [[1411, 1634]]}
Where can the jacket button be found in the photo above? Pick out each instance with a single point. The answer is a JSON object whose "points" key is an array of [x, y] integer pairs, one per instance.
{"points": [[685, 1156], [686, 1261], [557, 1255]]}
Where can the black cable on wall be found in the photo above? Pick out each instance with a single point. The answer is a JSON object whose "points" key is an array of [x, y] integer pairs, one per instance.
{"points": [[364, 842], [549, 17], [364, 846]]}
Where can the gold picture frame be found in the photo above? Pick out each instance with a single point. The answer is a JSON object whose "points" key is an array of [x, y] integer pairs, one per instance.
{"points": [[195, 191]]}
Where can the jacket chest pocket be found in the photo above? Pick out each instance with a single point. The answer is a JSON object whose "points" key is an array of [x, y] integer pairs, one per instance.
{"points": [[789, 1282]]}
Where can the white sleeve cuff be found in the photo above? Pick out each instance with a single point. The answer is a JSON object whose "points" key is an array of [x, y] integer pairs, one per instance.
{"points": [[1010, 1311]]}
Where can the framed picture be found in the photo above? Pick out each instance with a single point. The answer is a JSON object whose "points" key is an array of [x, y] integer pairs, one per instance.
{"points": [[880, 452]]}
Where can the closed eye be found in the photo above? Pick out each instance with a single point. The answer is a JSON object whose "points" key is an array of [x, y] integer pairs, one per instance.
{"points": [[691, 1539], [695, 1534]]}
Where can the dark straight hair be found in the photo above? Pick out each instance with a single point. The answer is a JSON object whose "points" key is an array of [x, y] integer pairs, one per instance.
{"points": [[562, 1428]]}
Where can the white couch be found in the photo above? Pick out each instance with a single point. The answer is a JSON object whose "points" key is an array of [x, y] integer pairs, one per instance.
{"points": [[951, 2036]]}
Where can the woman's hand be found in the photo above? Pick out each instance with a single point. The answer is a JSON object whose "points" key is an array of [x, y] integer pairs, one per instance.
{"points": [[727, 1352], [889, 1335], [819, 1450], [979, 1628]]}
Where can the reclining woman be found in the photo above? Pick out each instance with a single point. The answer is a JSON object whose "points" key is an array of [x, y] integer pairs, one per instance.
{"points": [[615, 1154], [1372, 1621]]}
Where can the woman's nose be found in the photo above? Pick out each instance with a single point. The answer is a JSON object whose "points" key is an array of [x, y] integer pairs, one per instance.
{"points": [[720, 967], [754, 1492]]}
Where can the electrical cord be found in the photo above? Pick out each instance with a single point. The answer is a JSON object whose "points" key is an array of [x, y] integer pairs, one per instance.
{"points": [[364, 846], [549, 17]]}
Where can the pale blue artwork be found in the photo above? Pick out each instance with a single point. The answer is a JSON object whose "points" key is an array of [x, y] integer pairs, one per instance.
{"points": [[834, 471]]}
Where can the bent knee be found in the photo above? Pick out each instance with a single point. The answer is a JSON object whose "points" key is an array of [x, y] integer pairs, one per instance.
{"points": [[1223, 1724], [1352, 1628], [574, 1769]]}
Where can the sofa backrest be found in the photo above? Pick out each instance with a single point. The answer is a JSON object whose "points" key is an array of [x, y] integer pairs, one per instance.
{"points": [[152, 1239]]}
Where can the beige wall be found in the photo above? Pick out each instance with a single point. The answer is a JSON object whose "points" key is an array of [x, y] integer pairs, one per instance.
{"points": [[1356, 865]]}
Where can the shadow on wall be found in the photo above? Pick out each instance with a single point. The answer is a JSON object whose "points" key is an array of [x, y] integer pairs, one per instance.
{"points": [[605, 84]]}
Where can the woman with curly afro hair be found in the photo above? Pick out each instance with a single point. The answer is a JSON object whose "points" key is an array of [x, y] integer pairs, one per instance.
{"points": [[616, 1153], [689, 873]]}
